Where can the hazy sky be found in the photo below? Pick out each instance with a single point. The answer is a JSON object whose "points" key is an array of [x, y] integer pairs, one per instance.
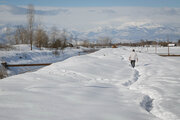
{"points": [[93, 14], [96, 15], [95, 3], [84, 18]]}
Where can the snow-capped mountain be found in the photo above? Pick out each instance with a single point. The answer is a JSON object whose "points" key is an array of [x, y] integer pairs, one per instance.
{"points": [[134, 33], [130, 33]]}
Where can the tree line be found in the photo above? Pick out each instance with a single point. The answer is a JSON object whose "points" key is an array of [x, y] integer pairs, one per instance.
{"points": [[35, 34], [144, 43]]}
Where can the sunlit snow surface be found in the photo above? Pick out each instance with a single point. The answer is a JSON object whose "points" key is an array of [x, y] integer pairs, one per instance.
{"points": [[97, 86]]}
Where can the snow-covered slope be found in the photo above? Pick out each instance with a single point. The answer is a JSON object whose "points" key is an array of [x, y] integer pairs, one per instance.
{"points": [[97, 86], [23, 55]]}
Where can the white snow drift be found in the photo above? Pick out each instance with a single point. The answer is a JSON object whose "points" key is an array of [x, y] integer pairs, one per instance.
{"points": [[98, 86]]}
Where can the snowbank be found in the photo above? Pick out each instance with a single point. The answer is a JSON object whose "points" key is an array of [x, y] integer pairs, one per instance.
{"points": [[23, 55]]}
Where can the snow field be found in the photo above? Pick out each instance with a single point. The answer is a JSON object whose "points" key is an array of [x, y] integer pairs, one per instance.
{"points": [[98, 86], [159, 78]]}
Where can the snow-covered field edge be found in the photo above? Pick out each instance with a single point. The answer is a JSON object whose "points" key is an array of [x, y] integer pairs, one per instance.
{"points": [[21, 54]]}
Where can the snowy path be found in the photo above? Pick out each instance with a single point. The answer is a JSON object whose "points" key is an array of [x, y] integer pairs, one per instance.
{"points": [[159, 81], [98, 86]]}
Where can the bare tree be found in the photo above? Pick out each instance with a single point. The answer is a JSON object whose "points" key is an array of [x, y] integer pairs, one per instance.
{"points": [[3, 72], [16, 37], [41, 38], [86, 43], [178, 42], [54, 34], [21, 35], [105, 41], [55, 40], [71, 38], [30, 19], [63, 39], [8, 35]]}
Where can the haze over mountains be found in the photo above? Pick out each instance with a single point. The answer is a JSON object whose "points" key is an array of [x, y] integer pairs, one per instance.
{"points": [[122, 24]]}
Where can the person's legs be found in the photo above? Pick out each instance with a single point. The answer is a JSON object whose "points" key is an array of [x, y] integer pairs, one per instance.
{"points": [[133, 63]]}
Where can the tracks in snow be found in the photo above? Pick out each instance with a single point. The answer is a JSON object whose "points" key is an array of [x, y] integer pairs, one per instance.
{"points": [[147, 101], [135, 78]]}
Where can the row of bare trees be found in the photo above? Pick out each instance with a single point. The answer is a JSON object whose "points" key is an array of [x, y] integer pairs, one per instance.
{"points": [[20, 35], [36, 35], [41, 38], [148, 43], [100, 42]]}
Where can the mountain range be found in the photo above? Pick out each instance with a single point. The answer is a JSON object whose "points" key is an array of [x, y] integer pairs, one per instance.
{"points": [[126, 26], [118, 34]]}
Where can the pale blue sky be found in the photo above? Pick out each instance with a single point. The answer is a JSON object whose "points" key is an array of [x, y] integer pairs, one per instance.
{"points": [[95, 3]]}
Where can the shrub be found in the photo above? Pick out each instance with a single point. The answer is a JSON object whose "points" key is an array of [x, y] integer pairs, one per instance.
{"points": [[3, 72], [6, 47], [56, 52]]}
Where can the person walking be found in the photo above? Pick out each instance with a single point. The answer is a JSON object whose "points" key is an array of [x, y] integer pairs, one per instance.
{"points": [[133, 58]]}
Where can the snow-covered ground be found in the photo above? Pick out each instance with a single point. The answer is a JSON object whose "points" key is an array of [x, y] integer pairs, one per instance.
{"points": [[97, 86], [23, 55]]}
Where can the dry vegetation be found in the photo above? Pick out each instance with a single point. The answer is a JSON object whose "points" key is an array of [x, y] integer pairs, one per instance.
{"points": [[6, 47], [3, 72]]}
